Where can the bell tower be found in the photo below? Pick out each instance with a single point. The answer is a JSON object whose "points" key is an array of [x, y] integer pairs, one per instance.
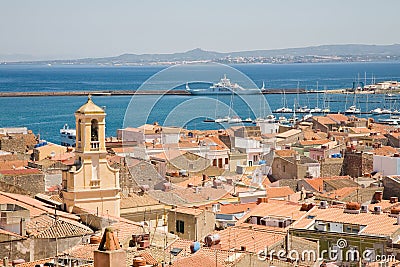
{"points": [[91, 183]]}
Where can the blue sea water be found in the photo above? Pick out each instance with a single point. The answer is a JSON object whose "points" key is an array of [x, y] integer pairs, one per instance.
{"points": [[46, 115]]}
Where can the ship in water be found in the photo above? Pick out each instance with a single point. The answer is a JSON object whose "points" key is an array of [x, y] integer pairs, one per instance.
{"points": [[224, 87], [68, 136]]}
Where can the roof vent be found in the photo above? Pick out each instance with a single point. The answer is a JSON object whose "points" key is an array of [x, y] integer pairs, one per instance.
{"points": [[377, 210], [323, 205], [364, 208]]}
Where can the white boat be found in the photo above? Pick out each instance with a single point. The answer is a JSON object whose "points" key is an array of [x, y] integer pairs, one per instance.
{"points": [[223, 87], [393, 120], [284, 110], [352, 110], [376, 111], [220, 120], [316, 110], [386, 111], [304, 109], [68, 136], [235, 120], [269, 118]]}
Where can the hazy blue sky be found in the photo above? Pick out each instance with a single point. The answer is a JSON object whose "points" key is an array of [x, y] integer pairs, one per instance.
{"points": [[92, 28]]}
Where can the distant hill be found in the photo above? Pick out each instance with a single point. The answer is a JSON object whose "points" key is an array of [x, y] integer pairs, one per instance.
{"points": [[323, 53]]}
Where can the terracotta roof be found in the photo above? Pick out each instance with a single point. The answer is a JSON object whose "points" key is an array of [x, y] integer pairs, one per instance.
{"points": [[126, 228], [20, 172], [309, 135], [338, 117], [149, 258], [11, 164], [276, 208], [225, 258], [381, 225], [82, 251], [189, 211], [133, 201], [360, 130], [233, 238], [34, 206], [35, 263], [324, 120], [276, 192], [314, 142], [45, 226], [196, 260], [288, 133], [385, 151], [340, 183], [236, 207], [339, 194], [285, 153], [318, 183]]}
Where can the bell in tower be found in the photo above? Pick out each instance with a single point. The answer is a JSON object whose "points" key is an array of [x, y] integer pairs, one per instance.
{"points": [[91, 184]]}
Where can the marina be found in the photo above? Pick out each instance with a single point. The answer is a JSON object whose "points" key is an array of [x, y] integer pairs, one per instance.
{"points": [[25, 90]]}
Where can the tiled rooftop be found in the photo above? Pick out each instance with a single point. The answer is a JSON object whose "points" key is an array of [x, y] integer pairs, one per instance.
{"points": [[254, 240], [381, 225], [46, 226], [278, 192]]}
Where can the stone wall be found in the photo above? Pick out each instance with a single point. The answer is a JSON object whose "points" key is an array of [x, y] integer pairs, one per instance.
{"points": [[18, 142], [391, 188], [33, 183], [283, 169], [16, 249], [356, 164], [362, 195], [9, 188], [331, 167], [46, 247]]}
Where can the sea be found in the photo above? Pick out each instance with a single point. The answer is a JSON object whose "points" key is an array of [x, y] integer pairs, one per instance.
{"points": [[46, 115]]}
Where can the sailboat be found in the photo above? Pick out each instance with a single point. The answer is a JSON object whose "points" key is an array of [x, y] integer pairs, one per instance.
{"points": [[284, 109], [353, 109], [326, 108], [316, 109]]}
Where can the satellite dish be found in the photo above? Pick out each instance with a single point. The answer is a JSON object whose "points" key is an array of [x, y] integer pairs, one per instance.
{"points": [[52, 154]]}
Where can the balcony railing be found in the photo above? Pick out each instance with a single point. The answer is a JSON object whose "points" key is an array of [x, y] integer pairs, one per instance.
{"points": [[95, 183], [94, 145]]}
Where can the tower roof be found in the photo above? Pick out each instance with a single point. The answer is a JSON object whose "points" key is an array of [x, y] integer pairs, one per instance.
{"points": [[89, 107]]}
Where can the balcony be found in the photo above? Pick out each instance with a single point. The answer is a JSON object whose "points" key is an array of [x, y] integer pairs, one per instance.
{"points": [[95, 183], [95, 145]]}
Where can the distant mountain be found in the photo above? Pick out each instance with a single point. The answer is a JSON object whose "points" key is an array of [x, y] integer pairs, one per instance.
{"points": [[323, 53]]}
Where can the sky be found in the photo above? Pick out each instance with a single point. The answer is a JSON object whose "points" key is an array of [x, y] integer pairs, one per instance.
{"points": [[55, 29]]}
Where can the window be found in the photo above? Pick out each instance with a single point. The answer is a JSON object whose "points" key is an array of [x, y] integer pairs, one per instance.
{"points": [[226, 160], [284, 168], [94, 130], [180, 226]]}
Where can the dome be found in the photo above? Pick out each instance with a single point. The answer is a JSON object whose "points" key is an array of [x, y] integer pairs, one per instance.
{"points": [[89, 107]]}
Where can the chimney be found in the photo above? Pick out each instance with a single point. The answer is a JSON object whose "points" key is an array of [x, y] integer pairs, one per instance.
{"points": [[109, 253], [378, 196]]}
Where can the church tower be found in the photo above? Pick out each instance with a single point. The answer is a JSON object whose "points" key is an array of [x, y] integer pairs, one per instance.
{"points": [[91, 183]]}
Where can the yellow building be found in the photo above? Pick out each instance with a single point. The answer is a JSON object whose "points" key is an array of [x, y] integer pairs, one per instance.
{"points": [[91, 183]]}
